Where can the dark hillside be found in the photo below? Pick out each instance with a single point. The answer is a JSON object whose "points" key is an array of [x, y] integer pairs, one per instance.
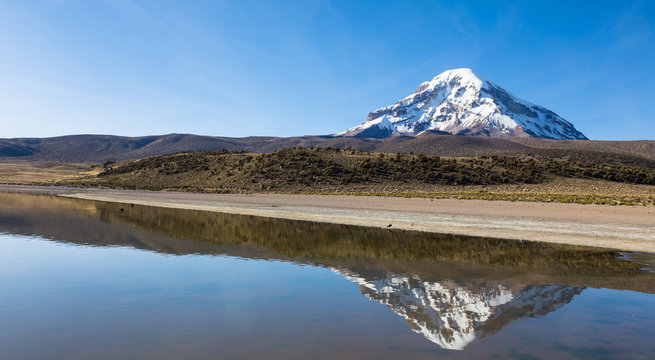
{"points": [[450, 145], [101, 148], [333, 169], [641, 148]]}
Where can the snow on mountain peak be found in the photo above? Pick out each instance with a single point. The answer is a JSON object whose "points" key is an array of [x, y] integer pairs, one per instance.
{"points": [[464, 77], [460, 102]]}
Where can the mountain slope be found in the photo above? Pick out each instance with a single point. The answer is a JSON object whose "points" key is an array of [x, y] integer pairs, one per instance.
{"points": [[100, 148], [460, 102]]}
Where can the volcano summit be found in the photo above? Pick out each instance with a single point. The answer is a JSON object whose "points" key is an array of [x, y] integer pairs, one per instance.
{"points": [[460, 102]]}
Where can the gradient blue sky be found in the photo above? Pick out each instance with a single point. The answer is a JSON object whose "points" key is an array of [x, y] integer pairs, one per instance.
{"points": [[284, 68]]}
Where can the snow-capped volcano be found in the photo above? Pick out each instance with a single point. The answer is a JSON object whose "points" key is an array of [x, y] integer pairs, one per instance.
{"points": [[462, 103]]}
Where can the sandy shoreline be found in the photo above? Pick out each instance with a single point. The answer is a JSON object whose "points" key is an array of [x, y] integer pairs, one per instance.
{"points": [[616, 227]]}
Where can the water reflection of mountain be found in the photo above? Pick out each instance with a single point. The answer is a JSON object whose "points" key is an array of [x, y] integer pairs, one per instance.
{"points": [[451, 289], [452, 314]]}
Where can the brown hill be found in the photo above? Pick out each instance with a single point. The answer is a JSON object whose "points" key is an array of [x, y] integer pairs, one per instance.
{"points": [[100, 148], [330, 170]]}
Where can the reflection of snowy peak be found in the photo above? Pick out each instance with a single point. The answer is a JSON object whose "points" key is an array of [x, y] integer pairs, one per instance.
{"points": [[453, 315], [461, 103]]}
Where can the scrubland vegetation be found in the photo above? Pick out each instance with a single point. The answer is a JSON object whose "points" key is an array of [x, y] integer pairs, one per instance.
{"points": [[539, 176]]}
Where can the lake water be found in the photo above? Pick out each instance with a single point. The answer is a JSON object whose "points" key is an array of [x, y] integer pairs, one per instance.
{"points": [[93, 280]]}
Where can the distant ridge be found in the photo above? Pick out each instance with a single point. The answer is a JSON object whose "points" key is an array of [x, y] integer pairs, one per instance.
{"points": [[100, 148], [460, 102]]}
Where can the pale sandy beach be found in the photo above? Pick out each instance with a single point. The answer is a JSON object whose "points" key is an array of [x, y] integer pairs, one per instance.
{"points": [[617, 227]]}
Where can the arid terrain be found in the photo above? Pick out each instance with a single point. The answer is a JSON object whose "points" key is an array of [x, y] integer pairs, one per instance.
{"points": [[549, 176], [563, 196], [558, 177], [29, 172], [615, 227]]}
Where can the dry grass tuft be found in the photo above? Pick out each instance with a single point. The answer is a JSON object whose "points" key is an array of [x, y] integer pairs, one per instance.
{"points": [[43, 173]]}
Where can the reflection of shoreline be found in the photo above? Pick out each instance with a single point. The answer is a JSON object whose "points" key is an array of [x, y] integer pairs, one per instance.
{"points": [[627, 228], [432, 257], [453, 315]]}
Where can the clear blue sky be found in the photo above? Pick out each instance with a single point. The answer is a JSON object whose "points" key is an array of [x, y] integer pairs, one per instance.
{"points": [[284, 68]]}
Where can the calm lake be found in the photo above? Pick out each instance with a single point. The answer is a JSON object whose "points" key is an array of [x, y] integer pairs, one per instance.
{"points": [[93, 280]]}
